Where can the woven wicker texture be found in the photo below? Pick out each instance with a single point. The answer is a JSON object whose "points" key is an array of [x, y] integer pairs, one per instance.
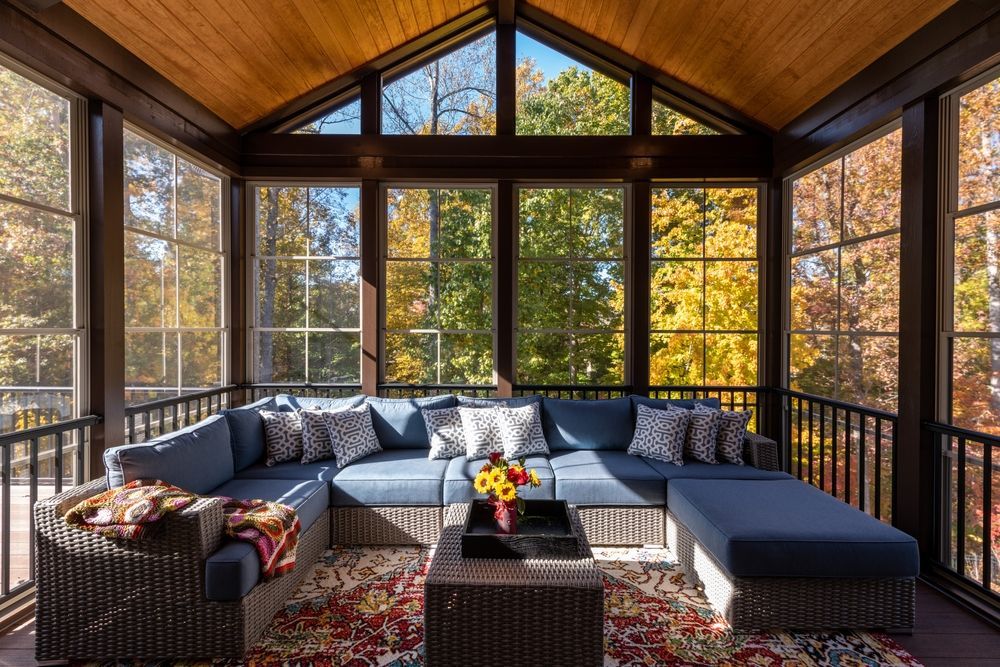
{"points": [[620, 526], [761, 452], [103, 598], [794, 603], [554, 608], [385, 525]]}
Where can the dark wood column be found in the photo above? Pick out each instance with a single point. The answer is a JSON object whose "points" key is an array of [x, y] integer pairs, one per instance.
{"points": [[642, 106], [369, 287], [505, 289], [506, 68], [772, 295], [106, 280], [639, 288], [917, 322], [239, 320]]}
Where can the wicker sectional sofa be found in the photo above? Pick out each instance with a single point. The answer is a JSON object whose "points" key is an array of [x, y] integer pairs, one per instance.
{"points": [[744, 531]]}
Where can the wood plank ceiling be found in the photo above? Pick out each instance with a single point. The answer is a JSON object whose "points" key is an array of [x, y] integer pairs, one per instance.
{"points": [[770, 59]]}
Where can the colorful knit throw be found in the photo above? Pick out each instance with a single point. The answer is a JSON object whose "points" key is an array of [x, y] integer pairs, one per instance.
{"points": [[132, 511]]}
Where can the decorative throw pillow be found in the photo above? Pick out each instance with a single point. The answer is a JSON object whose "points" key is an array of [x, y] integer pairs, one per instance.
{"points": [[703, 428], [282, 436], [732, 431], [521, 432], [316, 443], [660, 434], [481, 427], [444, 431], [352, 434]]}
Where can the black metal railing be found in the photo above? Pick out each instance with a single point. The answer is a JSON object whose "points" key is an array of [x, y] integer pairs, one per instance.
{"points": [[22, 408], [146, 421], [424, 390], [845, 449], [967, 505], [34, 463], [259, 391], [580, 392]]}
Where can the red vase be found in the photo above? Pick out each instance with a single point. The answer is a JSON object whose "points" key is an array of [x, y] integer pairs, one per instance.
{"points": [[506, 518]]}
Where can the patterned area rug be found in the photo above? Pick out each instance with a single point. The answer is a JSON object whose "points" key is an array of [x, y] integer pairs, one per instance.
{"points": [[363, 606]]}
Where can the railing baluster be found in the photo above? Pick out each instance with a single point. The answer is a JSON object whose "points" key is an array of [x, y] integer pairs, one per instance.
{"points": [[811, 442], [131, 429], [798, 439], [81, 440], [6, 479], [32, 499], [58, 473], [960, 513], [987, 514], [822, 446], [849, 420], [878, 468], [833, 453], [862, 456]]}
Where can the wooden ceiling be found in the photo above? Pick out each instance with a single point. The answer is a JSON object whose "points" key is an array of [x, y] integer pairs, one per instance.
{"points": [[770, 59]]}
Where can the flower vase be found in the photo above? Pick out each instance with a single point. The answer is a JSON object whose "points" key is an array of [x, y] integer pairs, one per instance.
{"points": [[506, 518]]}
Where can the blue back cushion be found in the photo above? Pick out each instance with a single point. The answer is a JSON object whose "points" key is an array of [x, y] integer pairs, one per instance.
{"points": [[246, 430], [575, 424], [398, 422], [513, 402], [662, 403], [288, 403], [197, 458]]}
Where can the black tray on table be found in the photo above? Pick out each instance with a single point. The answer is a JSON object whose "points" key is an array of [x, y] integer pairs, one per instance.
{"points": [[543, 531]]}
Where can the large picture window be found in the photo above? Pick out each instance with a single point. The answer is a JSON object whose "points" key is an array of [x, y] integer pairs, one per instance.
{"points": [[704, 281], [175, 315], [844, 276], [570, 326], [307, 315], [41, 318], [439, 286]]}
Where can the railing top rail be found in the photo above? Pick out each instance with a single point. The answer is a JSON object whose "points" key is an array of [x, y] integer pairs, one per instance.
{"points": [[403, 385], [297, 385], [706, 388], [853, 407], [176, 400], [48, 429], [572, 387], [958, 431]]}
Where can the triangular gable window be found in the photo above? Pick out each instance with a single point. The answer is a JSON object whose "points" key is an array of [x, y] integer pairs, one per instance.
{"points": [[343, 118], [667, 120]]}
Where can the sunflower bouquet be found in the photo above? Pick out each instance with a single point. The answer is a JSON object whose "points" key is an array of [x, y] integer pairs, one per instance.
{"points": [[501, 479]]}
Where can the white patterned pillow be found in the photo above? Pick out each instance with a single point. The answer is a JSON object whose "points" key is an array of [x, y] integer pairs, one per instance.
{"points": [[352, 434], [282, 436], [732, 431], [702, 431], [521, 432], [316, 444], [444, 431], [660, 434], [481, 427]]}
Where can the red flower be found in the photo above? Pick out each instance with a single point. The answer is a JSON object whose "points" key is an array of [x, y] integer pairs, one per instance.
{"points": [[494, 457], [485, 468]]}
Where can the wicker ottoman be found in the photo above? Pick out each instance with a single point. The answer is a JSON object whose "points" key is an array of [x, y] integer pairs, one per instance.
{"points": [[552, 608]]}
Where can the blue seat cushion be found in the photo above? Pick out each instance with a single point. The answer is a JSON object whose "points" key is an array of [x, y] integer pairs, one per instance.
{"points": [[246, 431], [398, 422], [594, 477], [699, 470], [786, 528], [324, 470], [601, 424], [390, 477], [196, 458], [461, 471], [662, 403], [234, 569]]}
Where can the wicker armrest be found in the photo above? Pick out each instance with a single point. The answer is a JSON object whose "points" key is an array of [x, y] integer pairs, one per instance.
{"points": [[761, 452], [195, 530]]}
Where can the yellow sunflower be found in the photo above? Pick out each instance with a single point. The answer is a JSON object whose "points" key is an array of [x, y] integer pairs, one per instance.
{"points": [[506, 492], [482, 483], [533, 478], [497, 477]]}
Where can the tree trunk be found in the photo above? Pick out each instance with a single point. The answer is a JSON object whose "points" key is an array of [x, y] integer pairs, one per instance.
{"points": [[269, 276], [993, 293]]}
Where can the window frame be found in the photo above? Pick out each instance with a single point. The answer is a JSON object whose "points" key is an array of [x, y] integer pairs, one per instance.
{"points": [[758, 259], [253, 264], [787, 255], [626, 261], [79, 214], [224, 253], [384, 259], [948, 215]]}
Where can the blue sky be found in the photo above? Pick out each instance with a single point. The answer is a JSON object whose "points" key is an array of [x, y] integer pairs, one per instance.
{"points": [[548, 60]]}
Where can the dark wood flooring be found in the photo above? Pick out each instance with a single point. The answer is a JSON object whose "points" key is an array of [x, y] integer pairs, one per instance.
{"points": [[945, 636]]}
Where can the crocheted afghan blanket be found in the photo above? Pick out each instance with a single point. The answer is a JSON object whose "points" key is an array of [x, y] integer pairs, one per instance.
{"points": [[133, 511]]}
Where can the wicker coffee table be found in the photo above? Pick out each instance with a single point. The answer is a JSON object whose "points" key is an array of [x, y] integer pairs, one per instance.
{"points": [[553, 610]]}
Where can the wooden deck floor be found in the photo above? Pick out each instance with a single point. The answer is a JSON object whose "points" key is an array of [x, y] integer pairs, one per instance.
{"points": [[945, 636]]}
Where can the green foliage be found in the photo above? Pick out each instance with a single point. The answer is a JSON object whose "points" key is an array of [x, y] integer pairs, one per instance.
{"points": [[577, 102]]}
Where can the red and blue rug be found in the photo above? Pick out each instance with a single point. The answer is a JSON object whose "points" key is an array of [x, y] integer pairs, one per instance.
{"points": [[364, 606]]}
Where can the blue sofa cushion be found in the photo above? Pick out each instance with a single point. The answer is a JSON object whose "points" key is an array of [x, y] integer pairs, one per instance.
{"points": [[589, 477], [461, 471], [289, 402], [390, 477], [398, 422], [662, 403], [196, 458], [234, 569], [318, 470], [699, 470], [786, 528], [246, 431], [601, 424], [513, 402]]}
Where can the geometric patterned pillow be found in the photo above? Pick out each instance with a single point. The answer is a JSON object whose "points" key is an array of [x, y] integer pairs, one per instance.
{"points": [[352, 434], [282, 436], [316, 443], [660, 434], [444, 430], [702, 432], [732, 430], [521, 432], [481, 427]]}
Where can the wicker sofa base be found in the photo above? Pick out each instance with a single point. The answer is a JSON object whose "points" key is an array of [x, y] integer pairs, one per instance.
{"points": [[622, 525], [385, 525], [96, 598], [799, 603]]}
